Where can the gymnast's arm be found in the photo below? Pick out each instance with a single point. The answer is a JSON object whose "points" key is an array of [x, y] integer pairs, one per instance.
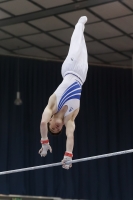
{"points": [[46, 116], [70, 128], [45, 119], [43, 127]]}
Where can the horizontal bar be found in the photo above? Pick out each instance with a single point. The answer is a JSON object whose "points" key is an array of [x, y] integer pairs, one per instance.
{"points": [[73, 161]]}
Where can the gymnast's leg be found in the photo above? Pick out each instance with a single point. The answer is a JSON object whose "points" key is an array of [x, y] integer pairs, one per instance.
{"points": [[76, 61], [77, 39]]}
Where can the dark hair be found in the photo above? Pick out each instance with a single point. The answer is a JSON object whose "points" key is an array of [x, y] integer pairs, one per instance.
{"points": [[54, 134]]}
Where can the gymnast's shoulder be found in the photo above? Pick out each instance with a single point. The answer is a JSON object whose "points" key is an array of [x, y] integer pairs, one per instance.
{"points": [[52, 101]]}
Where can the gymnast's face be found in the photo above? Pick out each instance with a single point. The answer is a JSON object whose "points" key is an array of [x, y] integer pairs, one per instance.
{"points": [[55, 125]]}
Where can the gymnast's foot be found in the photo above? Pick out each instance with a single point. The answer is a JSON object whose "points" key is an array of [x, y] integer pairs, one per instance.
{"points": [[82, 19]]}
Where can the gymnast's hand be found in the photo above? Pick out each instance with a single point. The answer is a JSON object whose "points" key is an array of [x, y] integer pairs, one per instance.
{"points": [[67, 157], [45, 147]]}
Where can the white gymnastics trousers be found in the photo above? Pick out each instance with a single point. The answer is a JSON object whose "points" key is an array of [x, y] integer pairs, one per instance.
{"points": [[76, 62]]}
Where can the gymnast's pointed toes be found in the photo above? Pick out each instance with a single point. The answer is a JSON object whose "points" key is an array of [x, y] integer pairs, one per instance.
{"points": [[82, 19]]}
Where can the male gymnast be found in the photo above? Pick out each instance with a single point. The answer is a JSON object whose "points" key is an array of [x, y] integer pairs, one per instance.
{"points": [[63, 105]]}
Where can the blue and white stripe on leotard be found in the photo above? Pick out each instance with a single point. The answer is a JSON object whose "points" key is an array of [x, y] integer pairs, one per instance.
{"points": [[72, 92]]}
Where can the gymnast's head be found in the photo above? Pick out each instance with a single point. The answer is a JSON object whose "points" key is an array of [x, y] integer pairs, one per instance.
{"points": [[55, 125]]}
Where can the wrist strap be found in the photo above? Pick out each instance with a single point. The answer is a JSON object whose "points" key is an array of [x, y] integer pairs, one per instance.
{"points": [[68, 154], [44, 141]]}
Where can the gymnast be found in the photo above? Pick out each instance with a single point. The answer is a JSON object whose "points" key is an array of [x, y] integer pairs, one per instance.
{"points": [[63, 105]]}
